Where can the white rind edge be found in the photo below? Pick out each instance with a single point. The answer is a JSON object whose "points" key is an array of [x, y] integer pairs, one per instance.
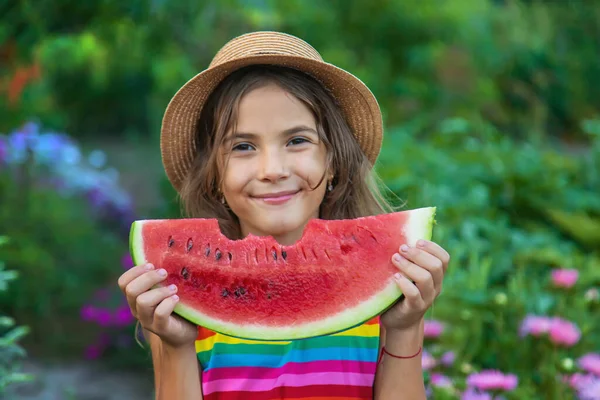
{"points": [[136, 243], [419, 226]]}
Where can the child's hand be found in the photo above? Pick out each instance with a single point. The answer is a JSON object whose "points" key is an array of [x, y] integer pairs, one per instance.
{"points": [[425, 265], [154, 307]]}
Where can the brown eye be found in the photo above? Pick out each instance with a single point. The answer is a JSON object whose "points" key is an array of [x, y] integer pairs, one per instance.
{"points": [[297, 140], [242, 147]]}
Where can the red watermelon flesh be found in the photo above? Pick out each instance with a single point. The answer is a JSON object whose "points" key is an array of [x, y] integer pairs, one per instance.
{"points": [[338, 275]]}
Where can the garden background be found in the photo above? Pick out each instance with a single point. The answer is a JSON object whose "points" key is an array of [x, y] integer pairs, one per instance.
{"points": [[492, 114]]}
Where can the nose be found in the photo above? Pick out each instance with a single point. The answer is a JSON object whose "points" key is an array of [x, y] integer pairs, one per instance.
{"points": [[273, 165]]}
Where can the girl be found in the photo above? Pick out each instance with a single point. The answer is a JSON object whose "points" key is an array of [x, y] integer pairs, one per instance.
{"points": [[268, 137]]}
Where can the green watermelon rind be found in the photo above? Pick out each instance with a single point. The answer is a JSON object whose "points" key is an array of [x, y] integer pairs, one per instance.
{"points": [[419, 226]]}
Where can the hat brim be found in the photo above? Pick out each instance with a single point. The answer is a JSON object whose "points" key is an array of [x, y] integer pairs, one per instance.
{"points": [[178, 133]]}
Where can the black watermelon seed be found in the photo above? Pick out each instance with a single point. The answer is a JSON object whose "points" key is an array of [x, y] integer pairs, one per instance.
{"points": [[283, 254], [207, 251], [239, 292], [268, 296], [274, 253], [229, 255], [218, 255], [171, 241], [225, 293], [190, 243], [185, 273]]}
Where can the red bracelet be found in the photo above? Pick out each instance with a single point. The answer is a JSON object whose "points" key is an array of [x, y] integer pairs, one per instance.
{"points": [[383, 350]]}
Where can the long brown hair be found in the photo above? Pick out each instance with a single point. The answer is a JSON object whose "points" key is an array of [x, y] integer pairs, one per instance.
{"points": [[355, 193]]}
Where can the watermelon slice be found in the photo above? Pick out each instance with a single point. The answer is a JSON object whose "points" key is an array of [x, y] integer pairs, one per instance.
{"points": [[338, 275]]}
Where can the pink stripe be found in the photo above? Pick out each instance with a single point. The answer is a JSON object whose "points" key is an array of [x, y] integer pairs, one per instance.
{"points": [[289, 368], [288, 380]]}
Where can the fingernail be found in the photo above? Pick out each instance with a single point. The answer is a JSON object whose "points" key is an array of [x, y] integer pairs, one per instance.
{"points": [[149, 267], [397, 257], [404, 248], [398, 276], [421, 243], [172, 288], [162, 272], [175, 297]]}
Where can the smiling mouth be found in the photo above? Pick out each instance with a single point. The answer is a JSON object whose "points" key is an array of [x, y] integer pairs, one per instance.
{"points": [[276, 198]]}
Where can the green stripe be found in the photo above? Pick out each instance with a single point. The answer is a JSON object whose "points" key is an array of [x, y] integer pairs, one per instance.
{"points": [[314, 343]]}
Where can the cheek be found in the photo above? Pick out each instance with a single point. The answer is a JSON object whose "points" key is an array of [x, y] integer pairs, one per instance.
{"points": [[236, 176], [311, 167]]}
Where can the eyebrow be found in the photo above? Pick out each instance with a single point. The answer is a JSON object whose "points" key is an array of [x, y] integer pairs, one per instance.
{"points": [[287, 132]]}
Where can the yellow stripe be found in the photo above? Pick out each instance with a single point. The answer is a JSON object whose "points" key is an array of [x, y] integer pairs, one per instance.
{"points": [[208, 343]]}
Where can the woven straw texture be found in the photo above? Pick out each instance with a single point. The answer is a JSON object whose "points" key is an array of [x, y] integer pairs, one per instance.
{"points": [[356, 101]]}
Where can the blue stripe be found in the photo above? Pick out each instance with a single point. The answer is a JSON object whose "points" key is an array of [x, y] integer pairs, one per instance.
{"points": [[297, 356]]}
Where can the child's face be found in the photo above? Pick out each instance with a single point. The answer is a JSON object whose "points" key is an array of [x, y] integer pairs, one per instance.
{"points": [[275, 163]]}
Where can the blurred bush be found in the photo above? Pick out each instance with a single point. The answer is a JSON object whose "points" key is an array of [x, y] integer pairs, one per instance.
{"points": [[509, 213], [10, 335], [68, 221], [528, 67]]}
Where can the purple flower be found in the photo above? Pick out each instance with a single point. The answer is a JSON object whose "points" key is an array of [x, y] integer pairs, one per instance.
{"points": [[590, 362], [534, 325], [104, 317], [492, 380], [3, 150], [440, 380], [448, 358], [590, 391], [93, 352], [88, 313], [126, 261], [123, 316], [433, 329], [472, 394]]}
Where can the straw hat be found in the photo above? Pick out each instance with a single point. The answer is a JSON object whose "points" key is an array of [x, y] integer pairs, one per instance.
{"points": [[356, 101]]}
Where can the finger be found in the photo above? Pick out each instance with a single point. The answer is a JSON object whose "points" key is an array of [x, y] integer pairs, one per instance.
{"points": [[412, 295], [148, 301], [163, 312], [422, 277], [142, 284], [128, 276], [428, 261], [436, 250], [131, 274]]}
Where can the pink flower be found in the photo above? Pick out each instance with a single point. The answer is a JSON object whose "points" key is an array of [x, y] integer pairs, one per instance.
{"points": [[448, 358], [591, 363], [427, 361], [440, 380], [492, 380], [579, 380], [564, 278], [123, 316], [433, 329], [563, 332], [472, 394], [535, 325]]}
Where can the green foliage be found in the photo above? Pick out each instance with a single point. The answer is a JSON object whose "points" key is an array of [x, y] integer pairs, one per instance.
{"points": [[10, 335], [530, 68]]}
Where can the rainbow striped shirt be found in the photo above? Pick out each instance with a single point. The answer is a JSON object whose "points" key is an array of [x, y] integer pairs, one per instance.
{"points": [[338, 366]]}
